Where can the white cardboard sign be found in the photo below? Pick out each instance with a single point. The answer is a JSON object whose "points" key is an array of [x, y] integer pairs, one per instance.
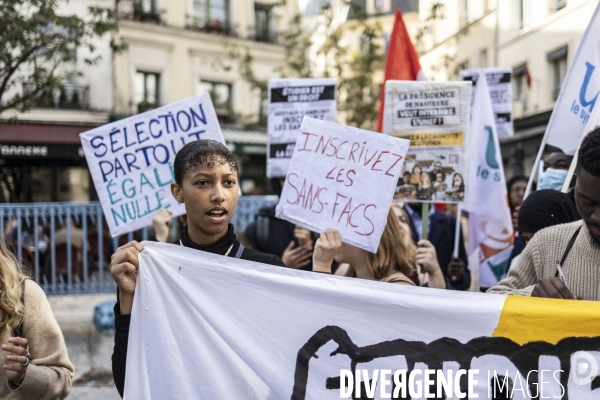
{"points": [[342, 178], [289, 101], [500, 89], [435, 117], [131, 160]]}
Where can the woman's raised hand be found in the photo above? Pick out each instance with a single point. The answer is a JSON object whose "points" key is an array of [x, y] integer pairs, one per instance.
{"points": [[123, 268], [326, 248]]}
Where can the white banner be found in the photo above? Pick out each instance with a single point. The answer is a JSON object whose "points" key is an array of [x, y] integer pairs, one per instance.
{"points": [[131, 160], [500, 88], [490, 224], [289, 101], [205, 326], [435, 118], [579, 92], [342, 178]]}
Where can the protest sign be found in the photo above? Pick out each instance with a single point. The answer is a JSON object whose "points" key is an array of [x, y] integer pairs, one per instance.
{"points": [[289, 101], [342, 178], [131, 160], [435, 118], [500, 89], [213, 327]]}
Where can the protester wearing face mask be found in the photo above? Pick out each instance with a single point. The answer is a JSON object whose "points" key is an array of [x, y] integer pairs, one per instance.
{"points": [[556, 167], [574, 246]]}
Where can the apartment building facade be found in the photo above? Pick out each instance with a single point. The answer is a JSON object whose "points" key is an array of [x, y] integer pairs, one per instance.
{"points": [[537, 38], [176, 49]]}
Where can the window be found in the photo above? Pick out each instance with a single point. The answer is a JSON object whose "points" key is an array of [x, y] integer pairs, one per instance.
{"points": [[483, 58], [211, 10], [520, 85], [146, 90], [558, 66], [220, 93], [147, 5], [262, 20], [520, 14], [460, 67], [556, 5], [464, 12]]}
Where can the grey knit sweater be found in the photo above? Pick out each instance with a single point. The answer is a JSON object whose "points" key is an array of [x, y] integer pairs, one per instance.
{"points": [[538, 260]]}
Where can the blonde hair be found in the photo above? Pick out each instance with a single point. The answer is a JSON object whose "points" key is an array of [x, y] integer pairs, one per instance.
{"points": [[11, 289], [393, 255]]}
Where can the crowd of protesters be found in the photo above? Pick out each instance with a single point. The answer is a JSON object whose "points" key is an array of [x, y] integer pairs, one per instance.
{"points": [[551, 228]]}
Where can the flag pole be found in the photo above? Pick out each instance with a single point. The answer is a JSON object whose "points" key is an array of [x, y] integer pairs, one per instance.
{"points": [[537, 162], [424, 226], [457, 230], [571, 172]]}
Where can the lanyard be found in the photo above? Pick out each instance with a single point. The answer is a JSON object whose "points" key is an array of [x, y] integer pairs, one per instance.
{"points": [[568, 249]]}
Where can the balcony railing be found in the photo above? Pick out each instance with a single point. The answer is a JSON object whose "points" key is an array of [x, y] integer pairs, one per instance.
{"points": [[216, 26], [66, 247], [263, 34], [69, 97], [135, 10]]}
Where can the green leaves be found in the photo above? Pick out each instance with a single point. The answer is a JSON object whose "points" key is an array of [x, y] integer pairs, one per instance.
{"points": [[38, 48]]}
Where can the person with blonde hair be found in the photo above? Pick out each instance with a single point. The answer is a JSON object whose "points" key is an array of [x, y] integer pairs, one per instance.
{"points": [[36, 364], [423, 254], [391, 263]]}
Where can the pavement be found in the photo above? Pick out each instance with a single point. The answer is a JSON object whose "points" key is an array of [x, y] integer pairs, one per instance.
{"points": [[100, 392]]}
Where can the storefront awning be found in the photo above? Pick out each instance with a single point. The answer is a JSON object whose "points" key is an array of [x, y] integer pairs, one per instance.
{"points": [[249, 142]]}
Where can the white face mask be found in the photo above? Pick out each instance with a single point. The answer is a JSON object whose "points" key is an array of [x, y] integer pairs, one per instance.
{"points": [[552, 179]]}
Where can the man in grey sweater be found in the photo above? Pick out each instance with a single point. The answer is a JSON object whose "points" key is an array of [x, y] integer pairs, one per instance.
{"points": [[575, 246]]}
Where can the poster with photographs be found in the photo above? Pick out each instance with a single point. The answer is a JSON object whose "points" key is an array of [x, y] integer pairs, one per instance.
{"points": [[289, 101], [435, 118], [498, 80]]}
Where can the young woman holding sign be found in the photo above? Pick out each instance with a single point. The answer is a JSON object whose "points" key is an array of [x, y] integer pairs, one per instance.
{"points": [[392, 263], [206, 182]]}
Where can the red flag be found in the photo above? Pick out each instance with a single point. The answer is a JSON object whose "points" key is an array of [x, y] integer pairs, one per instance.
{"points": [[402, 62]]}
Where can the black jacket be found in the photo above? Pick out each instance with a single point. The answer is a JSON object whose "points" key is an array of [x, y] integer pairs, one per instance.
{"points": [[272, 235], [442, 228], [119, 357]]}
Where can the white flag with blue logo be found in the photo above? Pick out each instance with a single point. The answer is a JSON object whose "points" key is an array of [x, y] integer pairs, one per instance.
{"points": [[579, 92], [490, 224]]}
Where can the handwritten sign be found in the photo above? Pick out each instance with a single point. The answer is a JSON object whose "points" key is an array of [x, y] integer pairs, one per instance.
{"points": [[289, 101], [131, 160], [435, 118], [500, 88], [342, 178]]}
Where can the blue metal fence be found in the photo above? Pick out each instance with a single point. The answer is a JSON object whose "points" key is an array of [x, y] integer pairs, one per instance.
{"points": [[66, 247]]}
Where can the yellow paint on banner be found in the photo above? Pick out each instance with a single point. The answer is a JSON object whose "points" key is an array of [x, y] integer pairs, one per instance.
{"points": [[434, 139], [529, 319]]}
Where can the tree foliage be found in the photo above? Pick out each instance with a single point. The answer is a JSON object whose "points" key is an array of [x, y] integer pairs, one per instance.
{"points": [[359, 71], [38, 48]]}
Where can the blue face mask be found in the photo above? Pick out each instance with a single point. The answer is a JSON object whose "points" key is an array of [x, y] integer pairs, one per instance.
{"points": [[552, 179]]}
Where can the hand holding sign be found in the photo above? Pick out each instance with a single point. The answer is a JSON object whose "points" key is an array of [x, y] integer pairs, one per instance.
{"points": [[342, 178]]}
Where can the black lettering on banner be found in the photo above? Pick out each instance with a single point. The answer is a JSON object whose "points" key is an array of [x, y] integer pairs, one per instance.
{"points": [[281, 150], [302, 94], [524, 357], [427, 112], [427, 121], [503, 117]]}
